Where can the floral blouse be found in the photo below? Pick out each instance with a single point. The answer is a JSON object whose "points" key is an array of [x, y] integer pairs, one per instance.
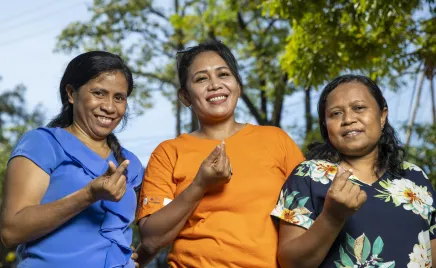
{"points": [[392, 229]]}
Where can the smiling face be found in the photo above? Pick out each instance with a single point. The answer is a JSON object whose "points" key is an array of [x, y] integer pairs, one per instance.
{"points": [[100, 104], [353, 119], [211, 88]]}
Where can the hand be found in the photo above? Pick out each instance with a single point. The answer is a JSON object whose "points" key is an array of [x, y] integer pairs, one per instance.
{"points": [[343, 197], [215, 169], [134, 256], [110, 186]]}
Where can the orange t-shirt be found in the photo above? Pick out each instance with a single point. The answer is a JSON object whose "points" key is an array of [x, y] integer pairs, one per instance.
{"points": [[233, 227]]}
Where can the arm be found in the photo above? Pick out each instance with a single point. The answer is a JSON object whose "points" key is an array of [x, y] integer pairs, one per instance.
{"points": [[162, 227], [300, 248], [24, 219], [433, 251]]}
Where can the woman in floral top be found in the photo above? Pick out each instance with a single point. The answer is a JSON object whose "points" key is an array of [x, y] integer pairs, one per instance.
{"points": [[355, 202]]}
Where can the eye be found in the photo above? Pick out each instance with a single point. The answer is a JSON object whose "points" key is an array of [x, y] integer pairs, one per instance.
{"points": [[335, 113], [200, 78], [98, 94], [120, 98], [224, 74], [359, 108]]}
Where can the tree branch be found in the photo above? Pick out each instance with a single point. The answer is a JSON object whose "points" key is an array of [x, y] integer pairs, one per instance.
{"points": [[252, 109]]}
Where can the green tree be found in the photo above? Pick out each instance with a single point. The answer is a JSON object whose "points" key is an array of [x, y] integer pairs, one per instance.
{"points": [[15, 120], [149, 36]]}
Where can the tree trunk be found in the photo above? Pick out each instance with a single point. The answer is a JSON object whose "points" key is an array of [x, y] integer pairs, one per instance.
{"points": [[179, 35], [433, 101], [414, 111], [308, 106]]}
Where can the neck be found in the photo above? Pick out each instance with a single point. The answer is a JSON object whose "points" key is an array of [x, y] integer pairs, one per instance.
{"points": [[218, 131], [365, 164], [77, 131]]}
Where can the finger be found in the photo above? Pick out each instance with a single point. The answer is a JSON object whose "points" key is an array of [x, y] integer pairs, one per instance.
{"points": [[136, 265], [347, 188], [120, 170], [111, 169], [361, 198], [227, 168], [340, 180], [132, 247], [354, 191], [214, 155], [340, 170], [134, 256], [121, 182], [222, 158]]}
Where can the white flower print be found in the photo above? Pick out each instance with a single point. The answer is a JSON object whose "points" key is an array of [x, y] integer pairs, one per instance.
{"points": [[405, 192], [421, 255], [410, 166]]}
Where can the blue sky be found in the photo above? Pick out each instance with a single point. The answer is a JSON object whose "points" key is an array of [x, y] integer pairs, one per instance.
{"points": [[28, 31]]}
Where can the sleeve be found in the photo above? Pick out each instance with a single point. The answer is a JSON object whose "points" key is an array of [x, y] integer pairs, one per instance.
{"points": [[36, 146], [293, 154], [158, 187], [294, 204]]}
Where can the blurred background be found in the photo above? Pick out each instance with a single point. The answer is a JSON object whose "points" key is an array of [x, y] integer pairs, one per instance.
{"points": [[287, 51]]}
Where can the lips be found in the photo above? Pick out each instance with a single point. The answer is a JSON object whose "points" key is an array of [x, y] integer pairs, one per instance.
{"points": [[352, 132], [104, 121], [216, 98]]}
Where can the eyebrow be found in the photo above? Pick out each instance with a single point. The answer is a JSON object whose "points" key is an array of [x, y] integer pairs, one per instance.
{"points": [[216, 69], [106, 91], [335, 107]]}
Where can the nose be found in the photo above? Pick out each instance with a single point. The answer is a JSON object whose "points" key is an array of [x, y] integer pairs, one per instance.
{"points": [[214, 84], [108, 106], [349, 118]]}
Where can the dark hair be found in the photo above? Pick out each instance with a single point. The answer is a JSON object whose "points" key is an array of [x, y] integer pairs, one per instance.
{"points": [[79, 71], [390, 153], [187, 56]]}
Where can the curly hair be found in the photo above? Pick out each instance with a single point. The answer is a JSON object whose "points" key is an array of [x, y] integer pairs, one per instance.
{"points": [[390, 152]]}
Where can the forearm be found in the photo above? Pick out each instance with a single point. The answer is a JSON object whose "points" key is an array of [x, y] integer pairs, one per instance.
{"points": [[311, 248], [36, 221], [143, 256], [162, 227]]}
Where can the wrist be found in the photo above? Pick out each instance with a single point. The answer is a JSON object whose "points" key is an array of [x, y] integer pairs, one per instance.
{"points": [[332, 220], [89, 196]]}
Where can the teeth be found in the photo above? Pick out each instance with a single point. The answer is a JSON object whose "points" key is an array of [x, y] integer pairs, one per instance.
{"points": [[218, 98], [352, 133], [104, 120]]}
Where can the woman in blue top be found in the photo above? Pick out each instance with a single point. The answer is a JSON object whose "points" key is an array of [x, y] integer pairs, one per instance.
{"points": [[355, 202], [66, 203]]}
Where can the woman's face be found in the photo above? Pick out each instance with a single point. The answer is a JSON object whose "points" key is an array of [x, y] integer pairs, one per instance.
{"points": [[100, 104], [211, 88], [353, 119]]}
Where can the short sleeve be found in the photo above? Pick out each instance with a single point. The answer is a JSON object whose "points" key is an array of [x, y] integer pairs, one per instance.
{"points": [[293, 154], [38, 147], [158, 187], [294, 204]]}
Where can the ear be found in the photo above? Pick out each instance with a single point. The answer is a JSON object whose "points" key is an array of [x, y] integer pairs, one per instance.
{"points": [[183, 96], [71, 93], [384, 116], [240, 90]]}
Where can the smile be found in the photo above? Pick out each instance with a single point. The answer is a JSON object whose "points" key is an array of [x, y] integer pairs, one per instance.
{"points": [[105, 120], [352, 133]]}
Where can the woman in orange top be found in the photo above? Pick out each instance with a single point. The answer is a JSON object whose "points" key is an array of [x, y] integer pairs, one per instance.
{"points": [[210, 192]]}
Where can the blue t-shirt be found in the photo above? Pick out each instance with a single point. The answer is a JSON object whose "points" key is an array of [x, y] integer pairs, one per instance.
{"points": [[100, 235], [393, 228]]}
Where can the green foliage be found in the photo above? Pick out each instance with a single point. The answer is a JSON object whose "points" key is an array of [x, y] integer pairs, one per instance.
{"points": [[333, 37], [423, 154]]}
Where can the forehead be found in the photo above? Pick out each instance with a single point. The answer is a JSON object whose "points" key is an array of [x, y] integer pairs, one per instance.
{"points": [[207, 60], [110, 80], [349, 92]]}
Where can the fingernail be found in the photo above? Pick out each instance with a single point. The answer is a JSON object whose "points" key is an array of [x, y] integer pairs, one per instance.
{"points": [[351, 170]]}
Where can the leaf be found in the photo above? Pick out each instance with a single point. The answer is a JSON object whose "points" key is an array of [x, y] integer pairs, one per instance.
{"points": [[366, 249], [350, 243], [345, 259], [302, 201], [377, 247], [338, 265], [390, 264], [358, 247], [290, 199]]}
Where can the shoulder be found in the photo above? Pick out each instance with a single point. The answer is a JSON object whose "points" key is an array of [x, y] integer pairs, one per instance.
{"points": [[35, 140], [134, 160], [317, 170], [269, 130], [412, 168]]}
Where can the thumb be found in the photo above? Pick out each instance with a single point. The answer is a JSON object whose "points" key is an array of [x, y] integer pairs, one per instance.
{"points": [[111, 169]]}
